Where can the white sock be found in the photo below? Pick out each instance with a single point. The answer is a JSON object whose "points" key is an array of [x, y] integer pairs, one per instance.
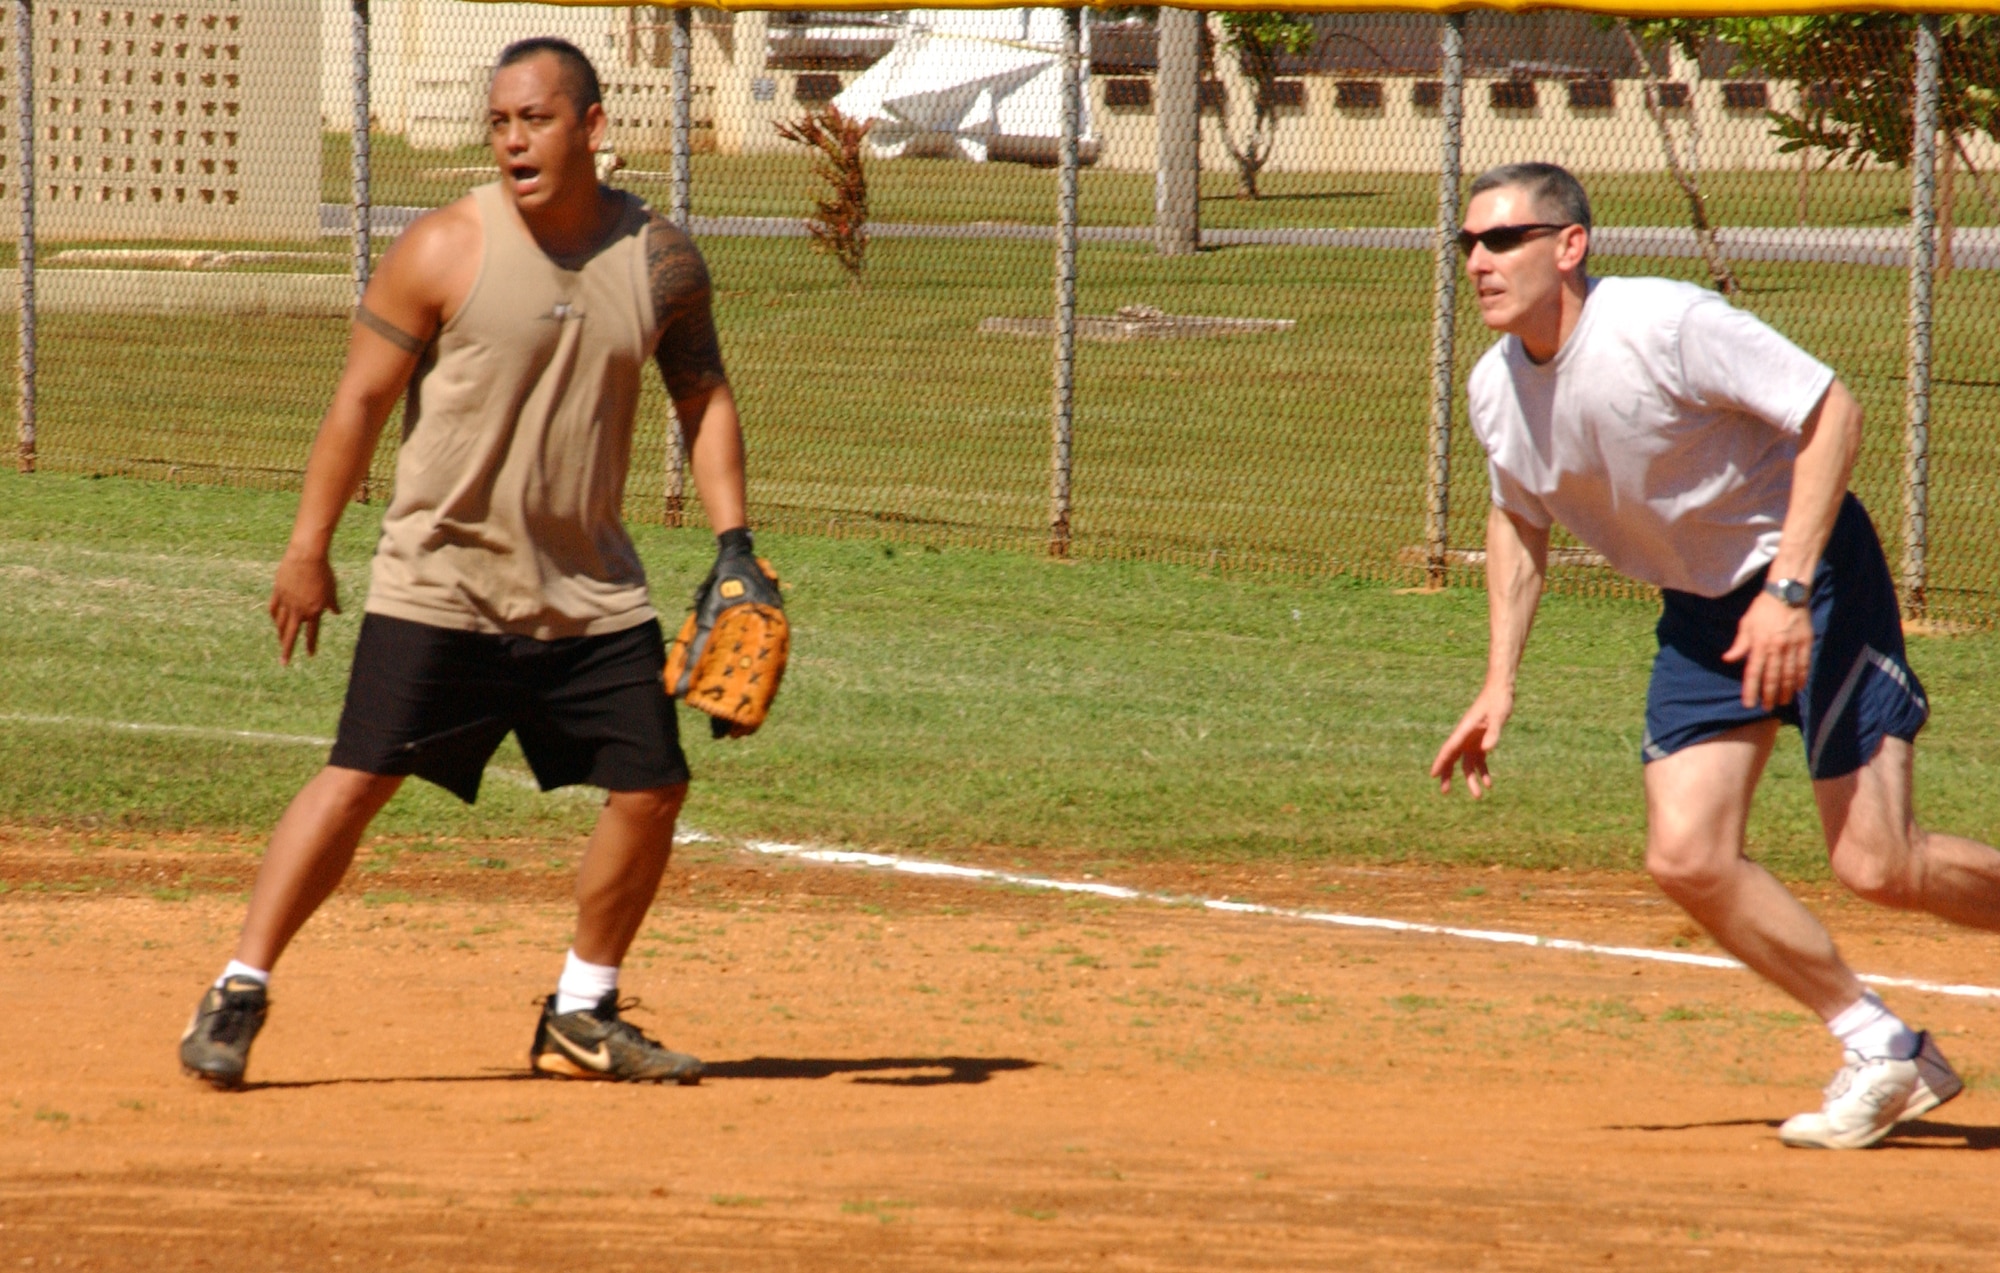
{"points": [[1867, 1028], [583, 984], [237, 968]]}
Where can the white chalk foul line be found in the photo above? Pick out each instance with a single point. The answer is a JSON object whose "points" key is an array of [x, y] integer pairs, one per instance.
{"points": [[1118, 892], [514, 777], [146, 727]]}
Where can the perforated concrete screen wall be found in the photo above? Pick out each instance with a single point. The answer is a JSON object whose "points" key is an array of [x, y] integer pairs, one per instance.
{"points": [[171, 121]]}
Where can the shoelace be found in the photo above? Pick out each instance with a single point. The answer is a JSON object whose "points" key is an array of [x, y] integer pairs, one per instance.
{"points": [[229, 1017], [1842, 1080], [625, 1028], [1849, 1073]]}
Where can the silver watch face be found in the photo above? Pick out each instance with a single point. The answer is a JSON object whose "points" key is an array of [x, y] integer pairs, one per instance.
{"points": [[1789, 591]]}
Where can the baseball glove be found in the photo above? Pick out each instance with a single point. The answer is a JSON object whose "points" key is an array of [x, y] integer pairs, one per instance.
{"points": [[730, 653]]}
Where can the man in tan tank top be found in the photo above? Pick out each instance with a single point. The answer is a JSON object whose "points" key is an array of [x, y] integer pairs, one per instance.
{"points": [[505, 593]]}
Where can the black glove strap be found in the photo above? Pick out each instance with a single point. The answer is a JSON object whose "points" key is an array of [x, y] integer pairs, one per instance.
{"points": [[731, 543]]}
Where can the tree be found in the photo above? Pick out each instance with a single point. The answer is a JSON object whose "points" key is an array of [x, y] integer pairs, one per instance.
{"points": [[1689, 35], [1258, 40], [1856, 70]]}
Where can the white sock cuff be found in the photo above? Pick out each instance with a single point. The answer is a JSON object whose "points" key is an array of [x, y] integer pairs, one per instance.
{"points": [[1867, 1028], [583, 984], [1858, 1015], [237, 968]]}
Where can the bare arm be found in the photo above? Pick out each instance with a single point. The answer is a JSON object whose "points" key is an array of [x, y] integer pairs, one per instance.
{"points": [[1773, 640], [400, 311], [690, 362], [1517, 556]]}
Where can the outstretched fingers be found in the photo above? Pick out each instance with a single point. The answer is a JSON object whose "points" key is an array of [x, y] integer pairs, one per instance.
{"points": [[1477, 735]]}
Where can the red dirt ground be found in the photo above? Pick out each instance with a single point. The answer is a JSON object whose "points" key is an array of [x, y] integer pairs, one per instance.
{"points": [[919, 1075]]}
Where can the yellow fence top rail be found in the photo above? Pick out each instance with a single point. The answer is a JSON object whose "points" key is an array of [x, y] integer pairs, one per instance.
{"points": [[1610, 8]]}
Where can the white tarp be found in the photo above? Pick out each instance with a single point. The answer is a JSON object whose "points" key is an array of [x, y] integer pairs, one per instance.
{"points": [[959, 81]]}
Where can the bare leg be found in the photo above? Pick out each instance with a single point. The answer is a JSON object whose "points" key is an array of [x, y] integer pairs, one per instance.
{"points": [[621, 870], [1880, 852], [1697, 804], [310, 850]]}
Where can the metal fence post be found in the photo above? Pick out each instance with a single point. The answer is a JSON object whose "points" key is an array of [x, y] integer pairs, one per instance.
{"points": [[1177, 109], [673, 502], [1444, 301], [24, 100], [360, 172], [364, 258], [1923, 267], [1065, 362], [682, 87]]}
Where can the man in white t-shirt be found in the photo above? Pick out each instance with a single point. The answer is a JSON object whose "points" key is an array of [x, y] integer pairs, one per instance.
{"points": [[1701, 452]]}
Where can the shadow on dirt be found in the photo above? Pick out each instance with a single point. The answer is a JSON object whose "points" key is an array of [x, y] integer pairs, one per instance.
{"points": [[1694, 1127], [957, 1069], [1931, 1134], [491, 1076], [1920, 1134], [878, 1070]]}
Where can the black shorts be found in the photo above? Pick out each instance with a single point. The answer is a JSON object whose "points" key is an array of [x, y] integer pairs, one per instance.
{"points": [[1859, 690], [435, 702]]}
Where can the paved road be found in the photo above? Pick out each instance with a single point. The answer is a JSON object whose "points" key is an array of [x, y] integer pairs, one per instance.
{"points": [[1977, 248]]}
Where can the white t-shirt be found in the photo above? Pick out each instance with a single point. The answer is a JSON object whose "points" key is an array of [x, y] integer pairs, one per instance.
{"points": [[1662, 434]]}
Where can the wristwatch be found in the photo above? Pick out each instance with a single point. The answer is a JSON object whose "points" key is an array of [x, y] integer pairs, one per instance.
{"points": [[1790, 591]]}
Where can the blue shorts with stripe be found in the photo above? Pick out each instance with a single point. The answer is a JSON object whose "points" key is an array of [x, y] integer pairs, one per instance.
{"points": [[1859, 691]]}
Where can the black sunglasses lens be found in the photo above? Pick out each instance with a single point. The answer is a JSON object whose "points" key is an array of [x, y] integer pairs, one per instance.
{"points": [[1497, 241]]}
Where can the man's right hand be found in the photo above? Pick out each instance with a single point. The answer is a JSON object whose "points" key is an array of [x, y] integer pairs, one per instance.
{"points": [[305, 589], [1477, 735]]}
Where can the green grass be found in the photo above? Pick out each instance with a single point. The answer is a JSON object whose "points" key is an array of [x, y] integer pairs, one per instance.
{"points": [[884, 411], [943, 191], [952, 701]]}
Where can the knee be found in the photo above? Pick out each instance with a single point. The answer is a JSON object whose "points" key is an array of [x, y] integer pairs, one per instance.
{"points": [[349, 793], [1684, 869], [657, 806], [1882, 869]]}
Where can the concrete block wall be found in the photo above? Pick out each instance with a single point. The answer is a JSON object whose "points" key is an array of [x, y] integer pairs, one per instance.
{"points": [[170, 121]]}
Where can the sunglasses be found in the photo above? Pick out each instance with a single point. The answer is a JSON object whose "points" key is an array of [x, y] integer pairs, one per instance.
{"points": [[1505, 238]]}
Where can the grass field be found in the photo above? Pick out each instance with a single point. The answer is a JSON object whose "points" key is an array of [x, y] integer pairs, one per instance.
{"points": [[942, 191], [885, 411], [960, 702]]}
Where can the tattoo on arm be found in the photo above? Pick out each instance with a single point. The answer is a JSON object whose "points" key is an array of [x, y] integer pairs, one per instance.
{"points": [[689, 355], [388, 331]]}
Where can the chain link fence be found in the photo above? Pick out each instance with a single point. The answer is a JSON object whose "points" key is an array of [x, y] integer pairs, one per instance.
{"points": [[1245, 348]]}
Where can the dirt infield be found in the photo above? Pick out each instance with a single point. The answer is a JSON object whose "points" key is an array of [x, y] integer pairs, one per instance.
{"points": [[926, 1075]]}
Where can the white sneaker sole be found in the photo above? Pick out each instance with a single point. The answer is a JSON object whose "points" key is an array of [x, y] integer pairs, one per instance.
{"points": [[1810, 1131]]}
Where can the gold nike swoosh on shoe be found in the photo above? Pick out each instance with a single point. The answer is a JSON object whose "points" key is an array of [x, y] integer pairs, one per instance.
{"points": [[597, 1060]]}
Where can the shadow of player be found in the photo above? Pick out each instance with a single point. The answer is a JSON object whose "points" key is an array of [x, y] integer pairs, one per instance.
{"points": [[519, 1075], [917, 1071], [1928, 1133], [877, 1069], [1922, 1133]]}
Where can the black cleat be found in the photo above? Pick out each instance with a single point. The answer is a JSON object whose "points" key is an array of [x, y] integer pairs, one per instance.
{"points": [[216, 1045], [595, 1044]]}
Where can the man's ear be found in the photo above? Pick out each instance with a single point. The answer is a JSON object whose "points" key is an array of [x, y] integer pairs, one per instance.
{"points": [[594, 125], [1573, 248]]}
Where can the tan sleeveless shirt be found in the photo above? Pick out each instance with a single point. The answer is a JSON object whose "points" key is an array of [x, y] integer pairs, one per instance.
{"points": [[517, 435]]}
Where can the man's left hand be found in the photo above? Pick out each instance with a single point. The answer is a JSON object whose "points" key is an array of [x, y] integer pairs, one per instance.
{"points": [[1774, 645]]}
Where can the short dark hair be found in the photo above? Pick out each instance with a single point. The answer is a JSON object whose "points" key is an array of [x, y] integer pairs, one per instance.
{"points": [[1558, 195], [579, 77]]}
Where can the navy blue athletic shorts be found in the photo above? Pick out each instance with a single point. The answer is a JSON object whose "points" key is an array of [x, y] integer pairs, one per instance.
{"points": [[435, 702], [1860, 688]]}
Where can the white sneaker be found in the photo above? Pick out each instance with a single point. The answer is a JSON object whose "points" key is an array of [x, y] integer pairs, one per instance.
{"points": [[1864, 1101], [1937, 1082]]}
